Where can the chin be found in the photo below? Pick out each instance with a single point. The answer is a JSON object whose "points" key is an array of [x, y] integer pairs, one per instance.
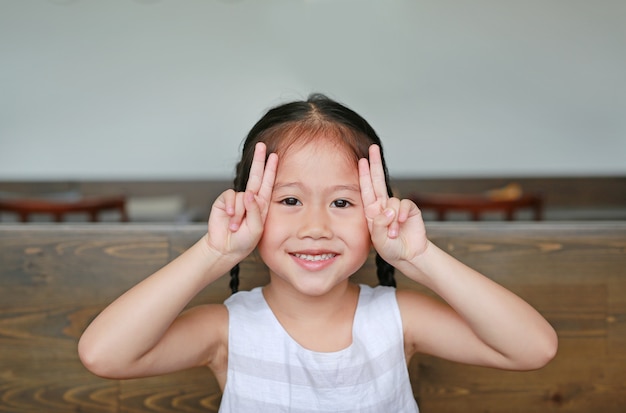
{"points": [[317, 289]]}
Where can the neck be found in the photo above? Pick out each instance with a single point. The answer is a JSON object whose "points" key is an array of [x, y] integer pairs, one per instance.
{"points": [[318, 323], [289, 302]]}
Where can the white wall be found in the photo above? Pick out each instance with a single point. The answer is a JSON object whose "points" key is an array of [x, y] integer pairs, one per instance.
{"points": [[134, 89]]}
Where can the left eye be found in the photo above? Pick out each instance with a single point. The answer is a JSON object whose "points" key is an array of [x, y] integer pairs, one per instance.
{"points": [[341, 203]]}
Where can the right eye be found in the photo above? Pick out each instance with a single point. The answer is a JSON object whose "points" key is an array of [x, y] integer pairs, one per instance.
{"points": [[291, 201]]}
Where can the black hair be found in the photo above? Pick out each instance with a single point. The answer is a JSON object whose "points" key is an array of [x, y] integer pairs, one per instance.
{"points": [[292, 122]]}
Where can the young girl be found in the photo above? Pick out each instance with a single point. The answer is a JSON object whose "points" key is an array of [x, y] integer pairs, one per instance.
{"points": [[312, 196]]}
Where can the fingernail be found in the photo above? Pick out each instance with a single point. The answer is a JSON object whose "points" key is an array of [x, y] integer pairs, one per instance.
{"points": [[389, 212]]}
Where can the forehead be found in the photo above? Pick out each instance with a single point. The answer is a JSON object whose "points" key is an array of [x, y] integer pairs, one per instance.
{"points": [[319, 161], [322, 141], [319, 151]]}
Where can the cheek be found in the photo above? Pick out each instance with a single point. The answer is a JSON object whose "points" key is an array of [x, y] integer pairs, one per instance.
{"points": [[357, 226], [265, 247], [272, 228]]}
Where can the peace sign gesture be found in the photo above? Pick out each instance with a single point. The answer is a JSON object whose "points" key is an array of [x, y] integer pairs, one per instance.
{"points": [[396, 226], [237, 218]]}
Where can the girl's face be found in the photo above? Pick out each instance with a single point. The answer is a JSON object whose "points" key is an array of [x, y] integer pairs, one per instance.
{"points": [[315, 233]]}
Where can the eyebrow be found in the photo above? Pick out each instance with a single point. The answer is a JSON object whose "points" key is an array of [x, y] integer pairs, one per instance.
{"points": [[351, 187], [334, 188]]}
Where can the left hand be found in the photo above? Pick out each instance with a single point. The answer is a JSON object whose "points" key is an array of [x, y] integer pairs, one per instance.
{"points": [[396, 226]]}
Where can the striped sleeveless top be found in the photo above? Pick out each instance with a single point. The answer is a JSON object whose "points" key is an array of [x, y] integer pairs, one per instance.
{"points": [[268, 371]]}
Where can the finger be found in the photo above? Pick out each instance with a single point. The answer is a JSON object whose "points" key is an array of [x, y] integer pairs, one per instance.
{"points": [[255, 177], [240, 210], [269, 175], [380, 226], [228, 198], [406, 207], [365, 182], [253, 212], [394, 226], [378, 174]]}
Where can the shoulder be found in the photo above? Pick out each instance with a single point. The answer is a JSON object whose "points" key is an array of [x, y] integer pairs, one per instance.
{"points": [[418, 307], [208, 321], [213, 314], [425, 319], [405, 299], [411, 297], [379, 292], [248, 314], [250, 298], [206, 325], [378, 307]]}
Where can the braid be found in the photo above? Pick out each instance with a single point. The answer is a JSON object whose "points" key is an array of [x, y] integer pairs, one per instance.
{"points": [[385, 272], [234, 279]]}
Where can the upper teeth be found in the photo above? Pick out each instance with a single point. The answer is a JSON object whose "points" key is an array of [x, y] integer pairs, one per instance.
{"points": [[320, 257]]}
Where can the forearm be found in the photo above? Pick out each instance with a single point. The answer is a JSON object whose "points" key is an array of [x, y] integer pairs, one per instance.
{"points": [[135, 322], [498, 317]]}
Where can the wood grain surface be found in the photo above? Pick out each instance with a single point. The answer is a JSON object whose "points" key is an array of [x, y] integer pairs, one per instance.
{"points": [[55, 278]]}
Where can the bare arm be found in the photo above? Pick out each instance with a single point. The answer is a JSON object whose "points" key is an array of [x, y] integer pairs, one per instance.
{"points": [[143, 332], [483, 323]]}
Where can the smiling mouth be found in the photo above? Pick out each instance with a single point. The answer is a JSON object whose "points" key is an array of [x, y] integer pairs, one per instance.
{"points": [[316, 257]]}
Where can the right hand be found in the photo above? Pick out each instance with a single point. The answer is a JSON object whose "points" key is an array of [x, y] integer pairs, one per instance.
{"points": [[237, 218]]}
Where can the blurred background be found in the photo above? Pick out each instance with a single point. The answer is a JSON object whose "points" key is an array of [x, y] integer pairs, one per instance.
{"points": [[122, 96]]}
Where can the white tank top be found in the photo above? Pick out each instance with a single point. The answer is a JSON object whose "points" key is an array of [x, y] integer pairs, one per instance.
{"points": [[268, 371]]}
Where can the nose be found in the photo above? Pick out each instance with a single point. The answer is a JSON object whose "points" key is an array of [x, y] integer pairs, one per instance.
{"points": [[316, 223]]}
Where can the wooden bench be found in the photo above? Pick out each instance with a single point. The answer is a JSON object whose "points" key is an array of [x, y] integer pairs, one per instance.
{"points": [[55, 278]]}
